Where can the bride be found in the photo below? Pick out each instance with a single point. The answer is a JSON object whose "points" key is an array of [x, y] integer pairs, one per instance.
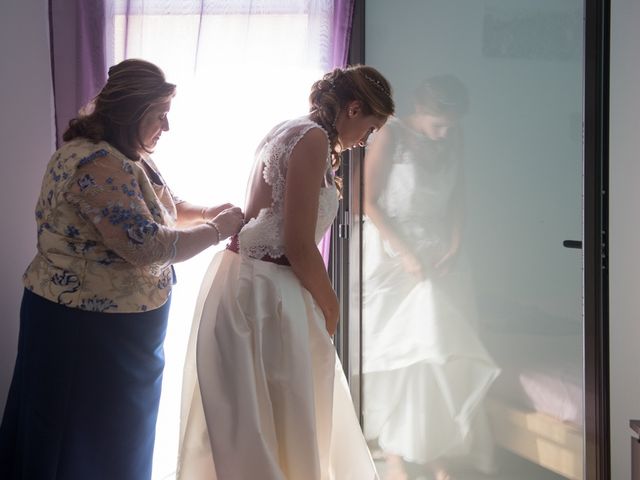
{"points": [[264, 396]]}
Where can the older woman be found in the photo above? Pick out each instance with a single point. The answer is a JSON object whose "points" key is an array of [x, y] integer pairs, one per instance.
{"points": [[84, 397]]}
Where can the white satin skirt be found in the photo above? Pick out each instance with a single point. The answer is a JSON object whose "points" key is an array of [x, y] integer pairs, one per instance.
{"points": [[264, 396], [426, 371]]}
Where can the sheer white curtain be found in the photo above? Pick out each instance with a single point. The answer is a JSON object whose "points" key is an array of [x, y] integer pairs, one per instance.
{"points": [[241, 66]]}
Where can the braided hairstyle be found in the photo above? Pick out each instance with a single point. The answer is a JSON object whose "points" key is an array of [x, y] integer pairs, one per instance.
{"points": [[133, 87], [337, 88]]}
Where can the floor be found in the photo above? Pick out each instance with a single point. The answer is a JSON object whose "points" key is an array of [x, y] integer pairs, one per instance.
{"points": [[510, 467]]}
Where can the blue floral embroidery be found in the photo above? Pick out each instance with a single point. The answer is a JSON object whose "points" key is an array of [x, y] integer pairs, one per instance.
{"points": [[64, 279], [117, 214], [137, 226], [134, 190], [142, 230], [44, 226], [127, 191], [86, 182], [155, 211], [68, 229], [71, 231], [56, 177], [89, 245], [97, 304], [91, 157], [126, 167], [109, 258], [82, 247], [165, 282]]}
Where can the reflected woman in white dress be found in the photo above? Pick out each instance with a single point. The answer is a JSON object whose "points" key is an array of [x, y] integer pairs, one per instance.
{"points": [[264, 396], [425, 371]]}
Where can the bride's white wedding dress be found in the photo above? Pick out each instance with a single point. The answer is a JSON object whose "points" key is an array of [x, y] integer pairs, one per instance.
{"points": [[264, 396], [426, 371]]}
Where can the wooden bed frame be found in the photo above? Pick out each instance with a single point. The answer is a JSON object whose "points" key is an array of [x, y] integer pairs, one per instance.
{"points": [[538, 437]]}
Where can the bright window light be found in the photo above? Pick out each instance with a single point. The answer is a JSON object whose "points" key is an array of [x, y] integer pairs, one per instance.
{"points": [[237, 76]]}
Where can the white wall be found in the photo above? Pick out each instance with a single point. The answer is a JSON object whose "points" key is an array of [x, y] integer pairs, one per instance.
{"points": [[26, 140], [624, 225]]}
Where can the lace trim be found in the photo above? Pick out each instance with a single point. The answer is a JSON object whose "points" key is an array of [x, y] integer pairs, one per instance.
{"points": [[275, 163], [263, 234]]}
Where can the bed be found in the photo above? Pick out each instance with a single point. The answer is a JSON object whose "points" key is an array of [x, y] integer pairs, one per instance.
{"points": [[536, 404]]}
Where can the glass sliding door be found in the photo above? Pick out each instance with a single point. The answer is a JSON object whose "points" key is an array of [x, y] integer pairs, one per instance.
{"points": [[466, 256]]}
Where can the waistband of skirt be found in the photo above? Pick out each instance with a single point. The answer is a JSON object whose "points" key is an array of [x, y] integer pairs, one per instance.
{"points": [[234, 246]]}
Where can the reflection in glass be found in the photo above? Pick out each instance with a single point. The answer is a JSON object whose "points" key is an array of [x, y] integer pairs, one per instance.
{"points": [[464, 273], [425, 371]]}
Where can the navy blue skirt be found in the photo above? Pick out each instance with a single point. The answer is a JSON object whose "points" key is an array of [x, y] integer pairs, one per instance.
{"points": [[84, 397]]}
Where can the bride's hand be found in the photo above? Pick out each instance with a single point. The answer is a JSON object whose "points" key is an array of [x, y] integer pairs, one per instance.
{"points": [[443, 266], [228, 222], [413, 265], [331, 316]]}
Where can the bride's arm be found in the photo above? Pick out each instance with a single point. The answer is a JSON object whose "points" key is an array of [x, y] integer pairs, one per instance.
{"points": [[305, 173], [378, 162]]}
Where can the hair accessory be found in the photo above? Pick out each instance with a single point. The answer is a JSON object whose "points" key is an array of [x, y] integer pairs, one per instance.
{"points": [[378, 84], [87, 109]]}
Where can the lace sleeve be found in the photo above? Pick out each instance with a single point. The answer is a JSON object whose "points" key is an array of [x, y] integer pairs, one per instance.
{"points": [[275, 157], [107, 193]]}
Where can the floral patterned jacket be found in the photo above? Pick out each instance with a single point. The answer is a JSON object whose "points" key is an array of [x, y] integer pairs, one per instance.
{"points": [[105, 236]]}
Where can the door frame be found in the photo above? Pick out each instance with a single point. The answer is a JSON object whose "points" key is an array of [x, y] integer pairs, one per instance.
{"points": [[597, 453]]}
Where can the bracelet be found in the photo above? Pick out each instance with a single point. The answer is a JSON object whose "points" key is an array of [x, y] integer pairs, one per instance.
{"points": [[215, 227]]}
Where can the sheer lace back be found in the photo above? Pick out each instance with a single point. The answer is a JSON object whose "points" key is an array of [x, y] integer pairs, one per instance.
{"points": [[264, 234]]}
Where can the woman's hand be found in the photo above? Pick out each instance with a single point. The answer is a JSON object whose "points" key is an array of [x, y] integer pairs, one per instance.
{"points": [[212, 212], [228, 222]]}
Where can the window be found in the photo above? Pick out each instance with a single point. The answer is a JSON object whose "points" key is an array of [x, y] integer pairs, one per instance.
{"points": [[241, 67]]}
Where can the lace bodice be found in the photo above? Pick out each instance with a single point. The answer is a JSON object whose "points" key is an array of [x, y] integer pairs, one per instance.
{"points": [[264, 235], [419, 189]]}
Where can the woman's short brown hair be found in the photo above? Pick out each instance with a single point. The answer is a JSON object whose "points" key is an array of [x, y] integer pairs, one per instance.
{"points": [[133, 86]]}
